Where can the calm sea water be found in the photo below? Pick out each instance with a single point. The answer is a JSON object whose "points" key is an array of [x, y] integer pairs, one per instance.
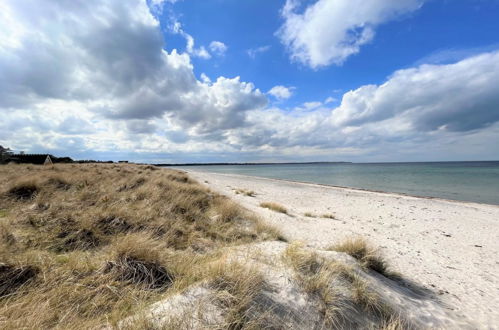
{"points": [[465, 181]]}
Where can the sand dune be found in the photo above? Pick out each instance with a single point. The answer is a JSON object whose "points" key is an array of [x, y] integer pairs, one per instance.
{"points": [[448, 247]]}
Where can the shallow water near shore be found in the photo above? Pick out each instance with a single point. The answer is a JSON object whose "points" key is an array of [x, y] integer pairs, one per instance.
{"points": [[463, 181]]}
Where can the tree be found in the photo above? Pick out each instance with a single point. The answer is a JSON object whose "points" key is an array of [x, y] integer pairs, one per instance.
{"points": [[4, 153]]}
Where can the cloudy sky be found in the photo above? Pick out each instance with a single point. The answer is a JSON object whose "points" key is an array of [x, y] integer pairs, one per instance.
{"points": [[251, 80]]}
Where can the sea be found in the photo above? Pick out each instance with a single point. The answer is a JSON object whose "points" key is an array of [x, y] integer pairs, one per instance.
{"points": [[462, 181]]}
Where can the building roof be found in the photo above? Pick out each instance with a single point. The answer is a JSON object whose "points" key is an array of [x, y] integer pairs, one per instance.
{"points": [[38, 159]]}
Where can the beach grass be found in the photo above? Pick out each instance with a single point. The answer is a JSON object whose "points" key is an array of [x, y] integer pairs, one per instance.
{"points": [[274, 207], [85, 246], [368, 256], [245, 192], [337, 288]]}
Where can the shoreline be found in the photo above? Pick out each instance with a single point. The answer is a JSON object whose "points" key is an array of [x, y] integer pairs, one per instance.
{"points": [[448, 247], [340, 187]]}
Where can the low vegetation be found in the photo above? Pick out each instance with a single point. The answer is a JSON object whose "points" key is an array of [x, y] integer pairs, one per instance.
{"points": [[328, 216], [245, 192], [339, 291], [274, 207], [316, 276], [368, 256], [84, 246]]}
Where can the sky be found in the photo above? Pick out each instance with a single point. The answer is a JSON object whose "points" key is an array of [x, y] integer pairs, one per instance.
{"points": [[173, 81]]}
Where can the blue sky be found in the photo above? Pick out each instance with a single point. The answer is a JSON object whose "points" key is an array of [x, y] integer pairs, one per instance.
{"points": [[253, 80], [439, 27]]}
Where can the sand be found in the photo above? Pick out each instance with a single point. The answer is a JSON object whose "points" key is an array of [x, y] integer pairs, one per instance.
{"points": [[448, 247]]}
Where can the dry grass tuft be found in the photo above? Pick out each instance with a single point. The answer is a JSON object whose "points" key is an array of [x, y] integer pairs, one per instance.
{"points": [[238, 289], [137, 260], [274, 207], [181, 177], [13, 277], [395, 322], [328, 216], [245, 192], [58, 182], [318, 277], [24, 190], [149, 274], [368, 256], [363, 296], [82, 239], [309, 215]]}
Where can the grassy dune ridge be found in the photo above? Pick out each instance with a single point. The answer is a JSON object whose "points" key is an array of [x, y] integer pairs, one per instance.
{"points": [[138, 247], [87, 245]]}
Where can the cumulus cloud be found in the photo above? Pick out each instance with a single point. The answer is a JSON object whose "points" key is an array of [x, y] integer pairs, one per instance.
{"points": [[281, 92], [458, 97], [329, 31], [218, 48], [105, 60]]}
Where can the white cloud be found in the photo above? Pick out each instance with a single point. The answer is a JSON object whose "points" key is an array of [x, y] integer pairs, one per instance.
{"points": [[420, 112], [104, 64], [205, 78], [253, 52], [281, 92], [200, 52], [329, 31], [330, 99], [456, 97], [312, 105], [218, 48]]}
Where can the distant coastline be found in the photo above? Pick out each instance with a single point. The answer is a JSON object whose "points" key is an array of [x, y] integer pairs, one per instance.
{"points": [[233, 164], [326, 163]]}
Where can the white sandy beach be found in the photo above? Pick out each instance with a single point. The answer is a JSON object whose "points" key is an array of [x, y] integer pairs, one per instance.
{"points": [[448, 247]]}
